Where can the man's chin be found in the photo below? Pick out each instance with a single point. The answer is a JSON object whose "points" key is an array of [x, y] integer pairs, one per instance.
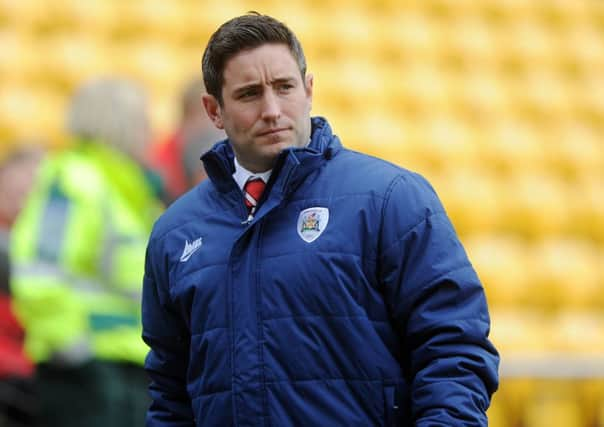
{"points": [[272, 151], [276, 148], [277, 143], [276, 138]]}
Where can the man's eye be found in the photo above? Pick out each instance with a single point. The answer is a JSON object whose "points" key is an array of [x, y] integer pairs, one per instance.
{"points": [[286, 86], [248, 94]]}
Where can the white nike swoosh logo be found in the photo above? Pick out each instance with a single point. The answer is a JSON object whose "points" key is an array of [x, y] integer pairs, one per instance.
{"points": [[190, 249]]}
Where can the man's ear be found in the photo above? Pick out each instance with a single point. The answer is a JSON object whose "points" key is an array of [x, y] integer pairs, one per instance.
{"points": [[308, 82], [212, 107]]}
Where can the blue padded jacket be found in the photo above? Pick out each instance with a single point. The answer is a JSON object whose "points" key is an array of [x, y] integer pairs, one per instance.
{"points": [[347, 300]]}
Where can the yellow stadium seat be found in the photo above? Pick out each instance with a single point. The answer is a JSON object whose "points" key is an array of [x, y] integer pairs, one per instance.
{"points": [[535, 205], [92, 16], [449, 9], [299, 17], [164, 114], [509, 145], [387, 137], [213, 14], [596, 13], [329, 88], [31, 113], [513, 395], [580, 332], [591, 397], [419, 88], [537, 101], [18, 61], [587, 208], [512, 9], [589, 95], [352, 33], [600, 415], [158, 65], [519, 333], [352, 84], [575, 149], [469, 38], [410, 35], [553, 404], [384, 7], [264, 6], [150, 18], [198, 23], [503, 265], [601, 258], [472, 199], [544, 96], [527, 41], [70, 59], [447, 142], [99, 16], [563, 13], [23, 14], [316, 6], [378, 135], [583, 43], [315, 40], [600, 412], [480, 95], [569, 271], [498, 414]]}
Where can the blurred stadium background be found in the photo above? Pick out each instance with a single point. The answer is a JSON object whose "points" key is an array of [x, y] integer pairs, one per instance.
{"points": [[500, 103]]}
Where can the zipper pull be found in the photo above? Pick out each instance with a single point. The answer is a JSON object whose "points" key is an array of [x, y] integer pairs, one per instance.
{"points": [[250, 217]]}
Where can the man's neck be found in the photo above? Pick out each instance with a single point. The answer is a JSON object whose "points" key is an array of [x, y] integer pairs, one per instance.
{"points": [[242, 174]]}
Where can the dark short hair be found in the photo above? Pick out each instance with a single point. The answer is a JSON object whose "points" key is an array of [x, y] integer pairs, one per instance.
{"points": [[243, 33]]}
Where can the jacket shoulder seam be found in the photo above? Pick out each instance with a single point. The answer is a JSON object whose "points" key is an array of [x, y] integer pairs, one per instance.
{"points": [[404, 235]]}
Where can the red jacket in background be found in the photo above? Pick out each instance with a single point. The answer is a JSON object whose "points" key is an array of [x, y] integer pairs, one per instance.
{"points": [[166, 159], [13, 361]]}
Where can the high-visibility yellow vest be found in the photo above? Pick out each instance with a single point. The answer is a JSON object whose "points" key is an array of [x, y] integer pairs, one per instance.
{"points": [[78, 251]]}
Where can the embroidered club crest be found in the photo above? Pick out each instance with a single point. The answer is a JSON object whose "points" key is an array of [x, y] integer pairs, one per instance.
{"points": [[311, 223]]}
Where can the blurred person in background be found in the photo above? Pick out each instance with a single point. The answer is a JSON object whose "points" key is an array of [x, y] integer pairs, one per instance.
{"points": [[196, 142], [17, 173], [304, 284], [78, 251], [166, 155], [17, 402]]}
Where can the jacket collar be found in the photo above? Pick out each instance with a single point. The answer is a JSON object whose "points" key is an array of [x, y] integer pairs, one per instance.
{"points": [[292, 166], [242, 175]]}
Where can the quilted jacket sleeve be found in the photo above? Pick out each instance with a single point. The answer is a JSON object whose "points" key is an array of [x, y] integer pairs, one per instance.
{"points": [[167, 361], [439, 308]]}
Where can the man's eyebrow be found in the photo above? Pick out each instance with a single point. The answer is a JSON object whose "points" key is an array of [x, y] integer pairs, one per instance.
{"points": [[283, 80], [247, 87]]}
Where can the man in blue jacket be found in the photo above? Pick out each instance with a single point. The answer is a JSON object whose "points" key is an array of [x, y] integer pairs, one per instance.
{"points": [[305, 284]]}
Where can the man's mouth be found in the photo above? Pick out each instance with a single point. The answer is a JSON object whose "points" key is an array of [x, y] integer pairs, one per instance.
{"points": [[272, 131]]}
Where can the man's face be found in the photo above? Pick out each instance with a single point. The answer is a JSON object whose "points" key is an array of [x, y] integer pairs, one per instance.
{"points": [[266, 105]]}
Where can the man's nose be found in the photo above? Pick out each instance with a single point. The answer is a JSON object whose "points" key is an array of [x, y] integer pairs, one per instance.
{"points": [[271, 109]]}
